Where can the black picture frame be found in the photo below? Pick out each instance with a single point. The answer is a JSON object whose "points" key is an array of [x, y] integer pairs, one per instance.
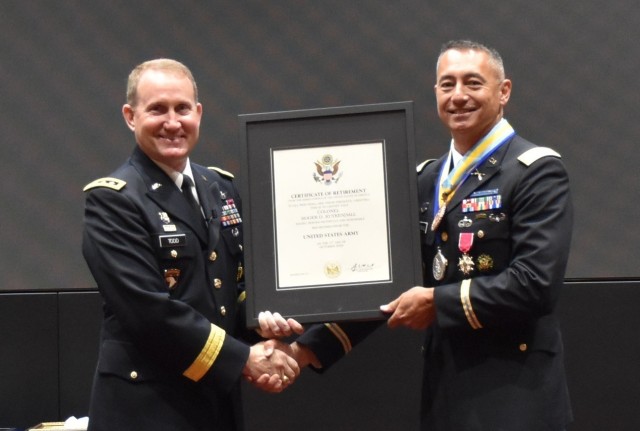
{"points": [[261, 136]]}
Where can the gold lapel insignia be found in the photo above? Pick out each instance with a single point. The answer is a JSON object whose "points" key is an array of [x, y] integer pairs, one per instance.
{"points": [[485, 263]]}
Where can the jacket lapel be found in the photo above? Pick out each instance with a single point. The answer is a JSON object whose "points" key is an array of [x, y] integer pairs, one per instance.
{"points": [[486, 171], [210, 201], [163, 191]]}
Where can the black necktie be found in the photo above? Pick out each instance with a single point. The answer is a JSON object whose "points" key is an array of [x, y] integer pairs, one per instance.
{"points": [[188, 194], [187, 182]]}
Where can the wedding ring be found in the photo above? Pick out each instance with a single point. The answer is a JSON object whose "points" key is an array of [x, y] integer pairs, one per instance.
{"points": [[285, 379]]}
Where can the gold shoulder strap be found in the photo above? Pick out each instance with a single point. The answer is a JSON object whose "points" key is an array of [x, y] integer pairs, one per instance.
{"points": [[221, 171], [108, 182]]}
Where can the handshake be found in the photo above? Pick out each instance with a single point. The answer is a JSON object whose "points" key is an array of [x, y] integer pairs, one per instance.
{"points": [[273, 364]]}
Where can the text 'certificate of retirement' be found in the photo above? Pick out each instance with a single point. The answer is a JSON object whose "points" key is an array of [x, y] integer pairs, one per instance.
{"points": [[331, 216]]}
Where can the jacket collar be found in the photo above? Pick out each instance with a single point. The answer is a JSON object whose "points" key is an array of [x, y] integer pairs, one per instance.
{"points": [[162, 190], [484, 172]]}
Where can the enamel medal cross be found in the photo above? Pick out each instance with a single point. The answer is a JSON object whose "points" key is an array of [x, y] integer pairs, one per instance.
{"points": [[465, 263]]}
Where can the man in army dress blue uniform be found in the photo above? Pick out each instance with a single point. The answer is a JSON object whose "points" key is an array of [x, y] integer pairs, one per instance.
{"points": [[163, 240], [495, 226]]}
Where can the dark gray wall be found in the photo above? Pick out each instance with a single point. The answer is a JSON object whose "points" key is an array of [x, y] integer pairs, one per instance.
{"points": [[63, 67]]}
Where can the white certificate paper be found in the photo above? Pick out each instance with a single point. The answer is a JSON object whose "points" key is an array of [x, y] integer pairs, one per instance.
{"points": [[331, 216]]}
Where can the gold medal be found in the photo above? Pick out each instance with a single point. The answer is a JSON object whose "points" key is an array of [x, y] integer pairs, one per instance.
{"points": [[439, 265]]}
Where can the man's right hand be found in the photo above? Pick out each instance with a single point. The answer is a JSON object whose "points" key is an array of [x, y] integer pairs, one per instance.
{"points": [[269, 368]]}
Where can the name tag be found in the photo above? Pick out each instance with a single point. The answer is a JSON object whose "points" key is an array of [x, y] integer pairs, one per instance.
{"points": [[178, 240]]}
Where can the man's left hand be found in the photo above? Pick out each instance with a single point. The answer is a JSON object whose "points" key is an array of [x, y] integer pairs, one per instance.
{"points": [[414, 309], [273, 325]]}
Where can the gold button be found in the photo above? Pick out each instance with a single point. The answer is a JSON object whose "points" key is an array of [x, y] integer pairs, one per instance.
{"points": [[133, 375], [523, 347], [213, 256], [239, 273], [217, 283], [174, 254], [223, 311], [444, 236], [480, 234]]}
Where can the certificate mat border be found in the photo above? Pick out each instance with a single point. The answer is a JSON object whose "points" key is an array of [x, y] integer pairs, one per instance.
{"points": [[259, 134]]}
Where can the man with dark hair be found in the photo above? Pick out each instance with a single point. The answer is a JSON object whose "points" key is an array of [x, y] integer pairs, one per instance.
{"points": [[495, 227]]}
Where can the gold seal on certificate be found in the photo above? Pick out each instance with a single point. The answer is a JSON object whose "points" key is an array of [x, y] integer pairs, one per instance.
{"points": [[332, 270]]}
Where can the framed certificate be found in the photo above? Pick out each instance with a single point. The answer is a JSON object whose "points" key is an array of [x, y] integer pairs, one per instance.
{"points": [[330, 211]]}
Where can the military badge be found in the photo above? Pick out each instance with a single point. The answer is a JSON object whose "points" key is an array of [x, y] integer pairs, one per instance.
{"points": [[167, 226], [171, 277], [485, 263], [465, 264], [230, 214], [164, 217], [166, 222], [465, 242], [465, 222], [481, 203], [488, 192], [495, 217], [479, 174], [439, 265]]}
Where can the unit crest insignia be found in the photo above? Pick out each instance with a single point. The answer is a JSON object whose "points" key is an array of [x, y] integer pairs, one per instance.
{"points": [[485, 263]]}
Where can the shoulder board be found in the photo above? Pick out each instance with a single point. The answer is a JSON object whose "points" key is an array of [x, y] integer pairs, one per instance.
{"points": [[421, 166], [221, 172], [530, 156], [108, 182]]}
